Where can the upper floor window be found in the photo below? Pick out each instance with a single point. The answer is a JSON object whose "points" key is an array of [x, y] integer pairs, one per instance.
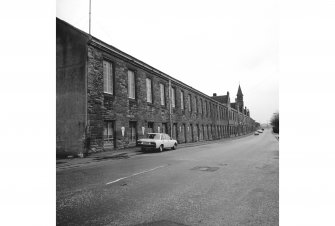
{"points": [[149, 90], [162, 92], [196, 104], [108, 77], [182, 100], [131, 84], [173, 97], [189, 102]]}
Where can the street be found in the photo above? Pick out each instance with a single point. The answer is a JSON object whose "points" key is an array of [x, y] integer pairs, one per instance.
{"points": [[233, 182]]}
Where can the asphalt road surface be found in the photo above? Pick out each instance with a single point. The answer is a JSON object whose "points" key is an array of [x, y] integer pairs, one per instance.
{"points": [[233, 182]]}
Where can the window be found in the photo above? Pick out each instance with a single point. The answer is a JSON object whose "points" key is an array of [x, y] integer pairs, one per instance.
{"points": [[149, 90], [189, 103], [205, 110], [173, 97], [108, 133], [210, 109], [108, 77], [200, 108], [132, 132], [154, 136], [131, 84], [182, 100], [162, 91], [196, 105]]}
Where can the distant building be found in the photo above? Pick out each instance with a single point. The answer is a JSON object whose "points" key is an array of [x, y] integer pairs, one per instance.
{"points": [[107, 99]]}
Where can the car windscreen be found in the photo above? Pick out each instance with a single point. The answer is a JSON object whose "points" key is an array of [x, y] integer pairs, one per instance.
{"points": [[154, 136]]}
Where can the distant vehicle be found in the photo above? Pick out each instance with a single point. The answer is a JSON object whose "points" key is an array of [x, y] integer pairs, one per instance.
{"points": [[260, 131], [263, 129], [159, 141], [256, 133]]}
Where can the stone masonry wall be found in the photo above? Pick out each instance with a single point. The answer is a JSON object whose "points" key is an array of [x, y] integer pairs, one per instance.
{"points": [[119, 108]]}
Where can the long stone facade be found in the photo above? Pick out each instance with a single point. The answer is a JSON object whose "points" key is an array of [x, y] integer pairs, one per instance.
{"points": [[89, 119]]}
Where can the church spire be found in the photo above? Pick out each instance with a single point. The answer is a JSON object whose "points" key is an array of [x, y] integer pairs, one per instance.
{"points": [[239, 92]]}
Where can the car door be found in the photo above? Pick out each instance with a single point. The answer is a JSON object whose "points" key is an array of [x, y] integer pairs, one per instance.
{"points": [[164, 141], [168, 141]]}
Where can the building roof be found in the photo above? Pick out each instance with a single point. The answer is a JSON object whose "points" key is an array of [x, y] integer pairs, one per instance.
{"points": [[222, 99], [132, 59], [233, 105]]}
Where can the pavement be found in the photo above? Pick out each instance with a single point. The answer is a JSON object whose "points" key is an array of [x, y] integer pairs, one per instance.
{"points": [[96, 158]]}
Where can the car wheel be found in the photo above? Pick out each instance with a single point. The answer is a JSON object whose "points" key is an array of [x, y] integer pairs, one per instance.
{"points": [[174, 146], [161, 148]]}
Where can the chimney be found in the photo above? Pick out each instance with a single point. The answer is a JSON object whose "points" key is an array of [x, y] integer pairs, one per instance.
{"points": [[227, 93], [214, 94]]}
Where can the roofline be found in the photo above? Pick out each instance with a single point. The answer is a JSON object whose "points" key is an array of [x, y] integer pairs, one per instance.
{"points": [[141, 63], [147, 66]]}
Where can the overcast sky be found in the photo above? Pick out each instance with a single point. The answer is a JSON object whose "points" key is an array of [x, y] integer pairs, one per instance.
{"points": [[211, 45]]}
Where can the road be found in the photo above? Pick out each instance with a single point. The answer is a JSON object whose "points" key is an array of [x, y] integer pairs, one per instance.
{"points": [[233, 182]]}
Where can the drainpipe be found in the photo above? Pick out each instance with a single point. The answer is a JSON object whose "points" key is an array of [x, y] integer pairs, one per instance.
{"points": [[170, 107], [87, 132]]}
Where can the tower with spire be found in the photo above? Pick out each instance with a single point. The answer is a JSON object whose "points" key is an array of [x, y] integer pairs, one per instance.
{"points": [[239, 99]]}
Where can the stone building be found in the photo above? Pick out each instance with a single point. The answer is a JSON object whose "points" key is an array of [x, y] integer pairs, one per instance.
{"points": [[107, 99]]}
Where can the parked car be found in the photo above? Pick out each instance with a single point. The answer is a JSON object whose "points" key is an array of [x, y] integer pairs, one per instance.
{"points": [[159, 141], [260, 131], [256, 133]]}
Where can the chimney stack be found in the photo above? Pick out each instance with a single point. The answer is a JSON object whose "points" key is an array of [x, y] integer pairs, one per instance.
{"points": [[214, 94]]}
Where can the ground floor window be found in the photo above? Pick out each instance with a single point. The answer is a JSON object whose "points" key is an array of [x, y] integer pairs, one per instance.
{"points": [[109, 132], [132, 132]]}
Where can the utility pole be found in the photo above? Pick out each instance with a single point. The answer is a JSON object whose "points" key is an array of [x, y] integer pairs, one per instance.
{"points": [[89, 19]]}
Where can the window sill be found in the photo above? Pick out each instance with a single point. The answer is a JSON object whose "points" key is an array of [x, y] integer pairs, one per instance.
{"points": [[108, 95]]}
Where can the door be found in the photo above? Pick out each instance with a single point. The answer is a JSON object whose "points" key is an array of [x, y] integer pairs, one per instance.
{"points": [[203, 132], [132, 133], [164, 128], [198, 133], [184, 128], [174, 131], [150, 127]]}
